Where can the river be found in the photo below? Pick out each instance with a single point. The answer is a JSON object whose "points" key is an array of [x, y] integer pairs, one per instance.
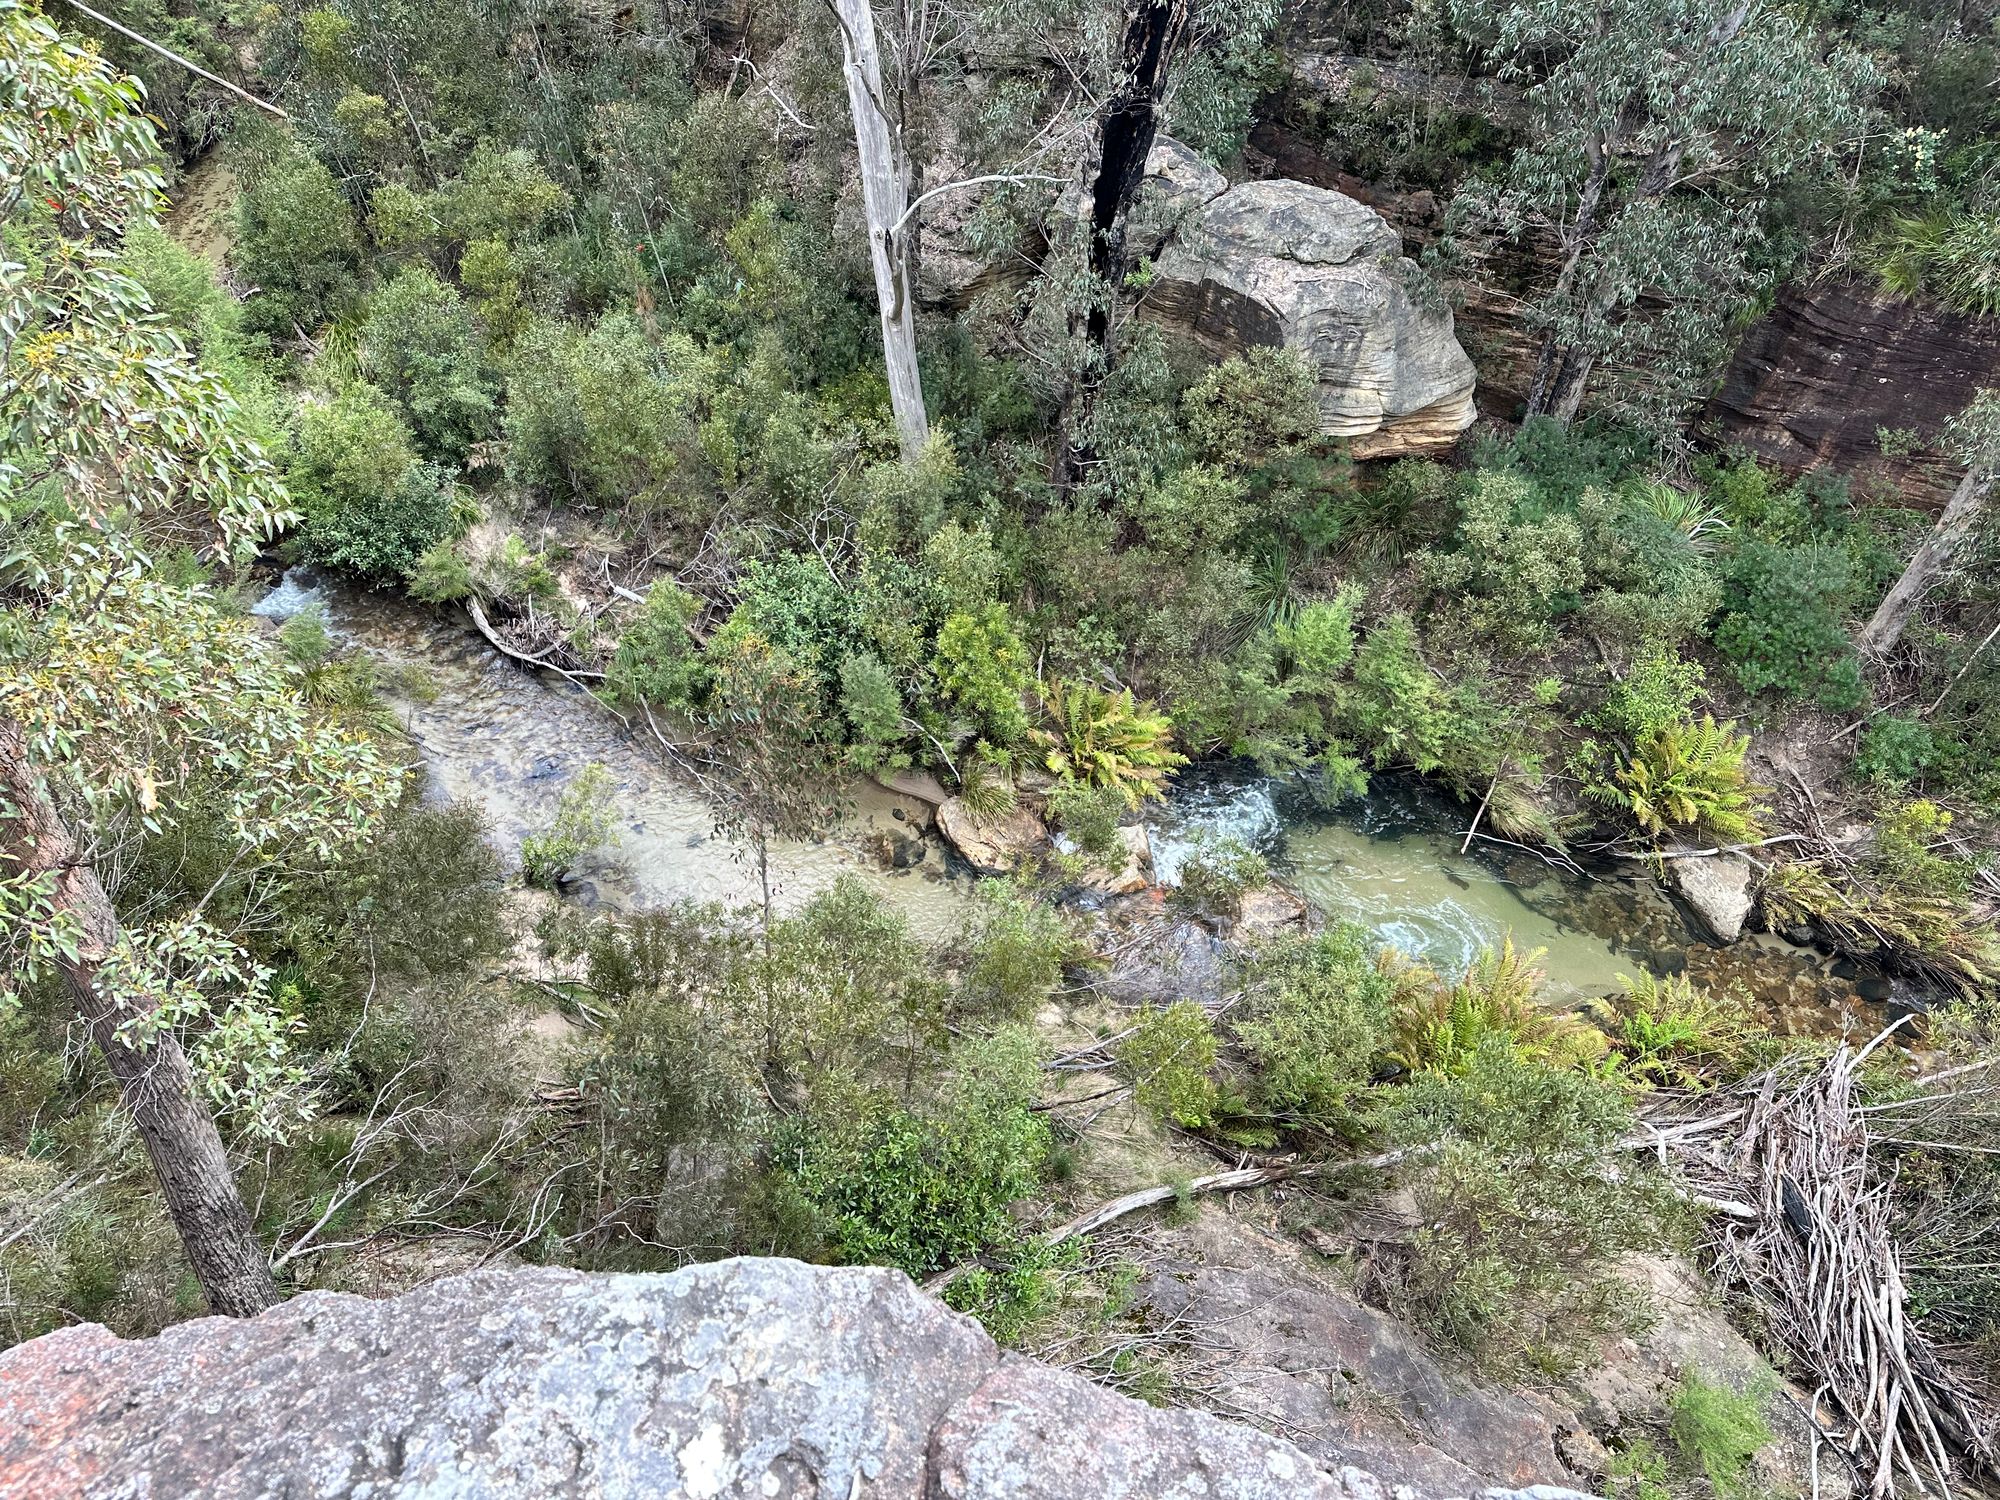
{"points": [[508, 741]]}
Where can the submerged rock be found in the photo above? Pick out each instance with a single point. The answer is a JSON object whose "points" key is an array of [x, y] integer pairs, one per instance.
{"points": [[1719, 889], [740, 1378]]}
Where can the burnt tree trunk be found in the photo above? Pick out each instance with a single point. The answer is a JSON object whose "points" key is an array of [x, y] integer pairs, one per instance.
{"points": [[1127, 127], [154, 1078]]}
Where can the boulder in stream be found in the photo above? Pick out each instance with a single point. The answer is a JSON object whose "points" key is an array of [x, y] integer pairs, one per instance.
{"points": [[1270, 911], [1719, 889], [992, 845]]}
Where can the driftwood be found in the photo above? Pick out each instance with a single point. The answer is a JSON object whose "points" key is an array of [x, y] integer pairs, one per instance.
{"points": [[494, 639], [1819, 1258]]}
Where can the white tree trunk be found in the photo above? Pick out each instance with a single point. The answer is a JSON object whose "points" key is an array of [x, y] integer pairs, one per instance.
{"points": [[884, 196], [1932, 559]]}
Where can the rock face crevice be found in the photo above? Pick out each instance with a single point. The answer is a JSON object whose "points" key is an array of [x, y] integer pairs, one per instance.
{"points": [[742, 1378]]}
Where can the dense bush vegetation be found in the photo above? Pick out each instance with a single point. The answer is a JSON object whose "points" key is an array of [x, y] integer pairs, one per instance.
{"points": [[531, 313]]}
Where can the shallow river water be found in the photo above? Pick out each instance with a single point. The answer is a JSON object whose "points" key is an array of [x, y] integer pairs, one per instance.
{"points": [[509, 741]]}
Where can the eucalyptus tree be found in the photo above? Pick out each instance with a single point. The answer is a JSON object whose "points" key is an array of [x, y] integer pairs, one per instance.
{"points": [[131, 706], [1659, 133]]}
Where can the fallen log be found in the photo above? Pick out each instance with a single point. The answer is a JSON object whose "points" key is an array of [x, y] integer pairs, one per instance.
{"points": [[579, 676]]}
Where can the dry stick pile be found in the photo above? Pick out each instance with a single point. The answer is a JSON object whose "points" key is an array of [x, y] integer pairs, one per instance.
{"points": [[1819, 1257]]}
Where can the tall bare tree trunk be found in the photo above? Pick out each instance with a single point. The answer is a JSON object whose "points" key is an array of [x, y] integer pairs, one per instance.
{"points": [[154, 1079], [1933, 558], [1127, 127], [885, 198]]}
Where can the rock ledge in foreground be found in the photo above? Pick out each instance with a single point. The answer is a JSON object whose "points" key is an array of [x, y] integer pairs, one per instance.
{"points": [[764, 1378]]}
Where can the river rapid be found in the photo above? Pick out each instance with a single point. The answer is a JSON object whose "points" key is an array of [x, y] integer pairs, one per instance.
{"points": [[508, 741]]}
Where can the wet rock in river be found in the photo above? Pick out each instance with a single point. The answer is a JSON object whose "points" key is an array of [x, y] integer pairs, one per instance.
{"points": [[1268, 911], [1719, 889], [993, 845]]}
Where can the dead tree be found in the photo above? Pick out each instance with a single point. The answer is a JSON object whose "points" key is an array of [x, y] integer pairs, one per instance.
{"points": [[885, 187], [1127, 127], [1975, 437]]}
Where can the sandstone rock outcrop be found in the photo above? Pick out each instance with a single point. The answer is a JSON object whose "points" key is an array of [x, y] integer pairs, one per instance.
{"points": [[1269, 263], [743, 1378], [1832, 365], [1276, 262], [991, 845]]}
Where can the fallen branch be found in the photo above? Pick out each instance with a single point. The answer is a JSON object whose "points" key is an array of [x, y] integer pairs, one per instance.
{"points": [[1818, 1255], [1214, 1182], [493, 639], [174, 57], [1780, 838]]}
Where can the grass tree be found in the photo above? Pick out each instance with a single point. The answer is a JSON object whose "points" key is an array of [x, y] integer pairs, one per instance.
{"points": [[130, 704]]}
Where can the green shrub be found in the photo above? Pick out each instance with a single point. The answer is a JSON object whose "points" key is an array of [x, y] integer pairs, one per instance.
{"points": [[1169, 1057], [1657, 694], [873, 707], [1252, 408], [1090, 816], [1398, 712], [1717, 1431], [1781, 626], [418, 344], [1522, 1227], [1649, 585], [923, 1190], [296, 242], [583, 820], [1016, 947], [1215, 876], [658, 660], [1312, 1024], [1564, 459], [1895, 751], [606, 416], [369, 506], [985, 671], [1191, 509], [1510, 572]]}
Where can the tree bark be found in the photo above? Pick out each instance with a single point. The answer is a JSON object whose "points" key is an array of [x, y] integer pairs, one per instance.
{"points": [[1932, 560], [155, 1080], [884, 198], [1127, 127]]}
